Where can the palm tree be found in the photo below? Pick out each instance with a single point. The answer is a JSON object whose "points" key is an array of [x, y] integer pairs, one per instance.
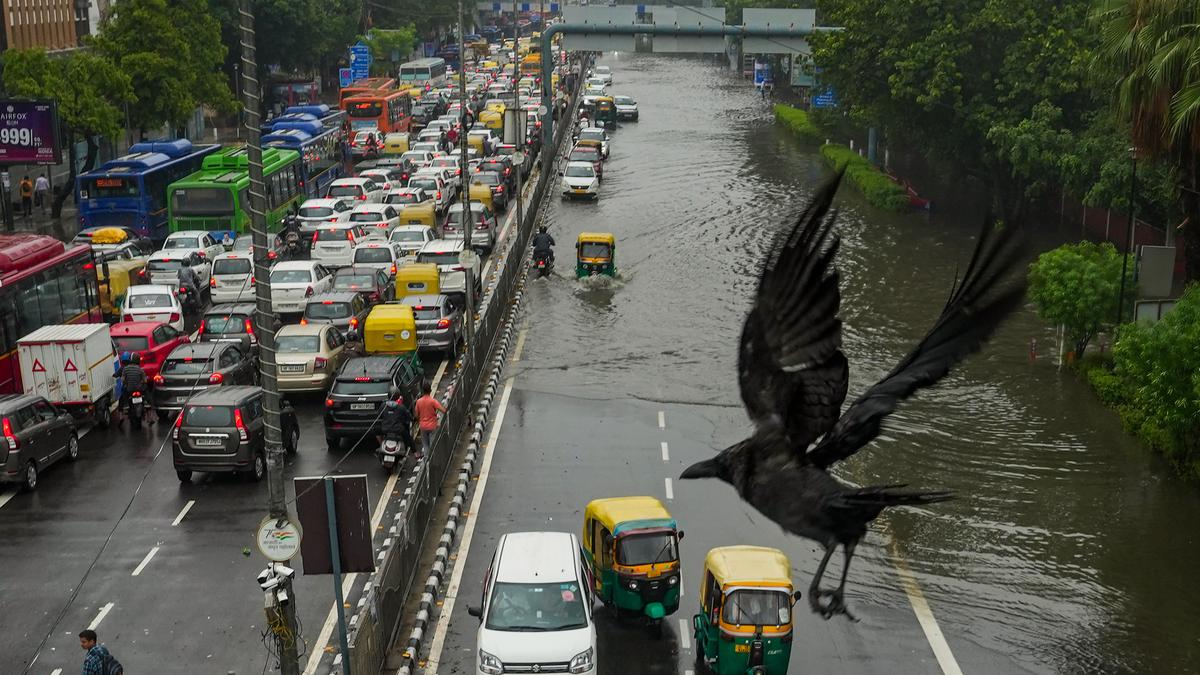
{"points": [[1152, 48]]}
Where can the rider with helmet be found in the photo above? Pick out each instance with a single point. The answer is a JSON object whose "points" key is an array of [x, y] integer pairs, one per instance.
{"points": [[133, 378], [396, 420], [543, 244]]}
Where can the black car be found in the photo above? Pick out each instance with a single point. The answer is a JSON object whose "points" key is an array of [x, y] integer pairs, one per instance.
{"points": [[372, 283], [230, 323], [222, 430], [192, 368], [352, 407], [501, 165], [496, 183], [36, 435], [394, 163]]}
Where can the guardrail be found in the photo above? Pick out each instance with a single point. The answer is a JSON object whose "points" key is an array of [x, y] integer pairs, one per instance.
{"points": [[377, 615]]}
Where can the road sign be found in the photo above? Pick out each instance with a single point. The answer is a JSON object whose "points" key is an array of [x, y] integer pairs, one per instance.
{"points": [[360, 61], [542, 110], [518, 158], [825, 99], [345, 77], [278, 539], [554, 8]]}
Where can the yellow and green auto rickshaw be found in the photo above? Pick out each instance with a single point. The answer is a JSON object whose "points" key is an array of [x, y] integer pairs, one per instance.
{"points": [[595, 253], [632, 546], [421, 213], [417, 279], [390, 328], [113, 279], [745, 622], [605, 112]]}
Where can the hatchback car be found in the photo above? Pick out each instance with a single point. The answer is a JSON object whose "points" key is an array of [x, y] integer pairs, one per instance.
{"points": [[483, 238], [230, 323], [232, 278], [588, 153], [223, 430], [452, 274], [498, 186], [193, 368], [385, 178], [37, 434], [411, 238], [439, 323], [382, 255], [627, 108], [372, 284], [308, 356], [344, 310], [153, 302], [433, 183], [579, 181], [333, 245], [316, 212], [405, 196], [360, 387], [194, 241], [376, 219], [163, 268], [501, 164], [152, 341], [293, 282], [351, 190]]}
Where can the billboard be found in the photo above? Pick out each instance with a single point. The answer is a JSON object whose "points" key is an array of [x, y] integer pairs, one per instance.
{"points": [[29, 132]]}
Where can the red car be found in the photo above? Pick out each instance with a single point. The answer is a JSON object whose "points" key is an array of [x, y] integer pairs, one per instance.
{"points": [[151, 340]]}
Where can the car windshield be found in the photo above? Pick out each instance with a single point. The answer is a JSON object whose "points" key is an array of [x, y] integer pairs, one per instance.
{"points": [[222, 324], [373, 254], [591, 136], [487, 178], [427, 313], [231, 266], [333, 235], [587, 154], [429, 184], [623, 100], [407, 235], [327, 309], [592, 249], [747, 607], [131, 343], [366, 217], [164, 265], [353, 282], [208, 416], [181, 242], [186, 366], [441, 257], [646, 549], [352, 388], [405, 198], [291, 276], [536, 607], [243, 243], [345, 191], [298, 343], [316, 211], [150, 301], [581, 172]]}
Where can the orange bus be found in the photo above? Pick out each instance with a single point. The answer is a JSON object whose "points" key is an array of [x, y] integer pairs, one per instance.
{"points": [[381, 111], [365, 86]]}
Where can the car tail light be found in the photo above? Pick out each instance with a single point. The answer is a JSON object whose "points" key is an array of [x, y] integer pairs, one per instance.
{"points": [[333, 220], [142, 272], [328, 403], [271, 255], [443, 323], [362, 197], [178, 423], [303, 322], [354, 322], [393, 268], [158, 379], [314, 237], [13, 442], [250, 331], [202, 254], [240, 424], [362, 379], [129, 317], [319, 363], [216, 378], [175, 317], [251, 281], [212, 282], [200, 331]]}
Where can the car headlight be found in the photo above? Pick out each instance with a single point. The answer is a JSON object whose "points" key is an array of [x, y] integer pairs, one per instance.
{"points": [[673, 580], [582, 662], [633, 584], [491, 665]]}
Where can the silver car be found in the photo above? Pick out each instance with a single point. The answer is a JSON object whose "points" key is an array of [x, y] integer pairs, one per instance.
{"points": [[439, 322]]}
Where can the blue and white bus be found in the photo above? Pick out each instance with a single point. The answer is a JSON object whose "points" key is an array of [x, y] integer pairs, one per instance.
{"points": [[131, 191], [423, 73], [329, 117], [320, 152]]}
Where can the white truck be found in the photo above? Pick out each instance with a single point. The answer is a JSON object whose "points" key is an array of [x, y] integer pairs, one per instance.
{"points": [[73, 366]]}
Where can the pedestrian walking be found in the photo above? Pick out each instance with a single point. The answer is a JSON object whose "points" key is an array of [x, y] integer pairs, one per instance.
{"points": [[428, 408], [97, 661], [26, 188], [41, 190]]}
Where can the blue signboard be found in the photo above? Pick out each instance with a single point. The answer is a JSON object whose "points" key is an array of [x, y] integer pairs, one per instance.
{"points": [[554, 8], [641, 10], [762, 73], [360, 61], [524, 6], [495, 7], [345, 77], [825, 99]]}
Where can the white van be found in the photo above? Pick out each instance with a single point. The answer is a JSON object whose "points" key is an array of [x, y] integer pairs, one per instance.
{"points": [[536, 614]]}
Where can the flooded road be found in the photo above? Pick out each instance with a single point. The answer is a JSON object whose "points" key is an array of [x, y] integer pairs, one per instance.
{"points": [[1070, 548]]}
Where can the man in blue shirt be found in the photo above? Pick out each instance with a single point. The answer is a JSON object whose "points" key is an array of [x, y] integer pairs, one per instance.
{"points": [[97, 661]]}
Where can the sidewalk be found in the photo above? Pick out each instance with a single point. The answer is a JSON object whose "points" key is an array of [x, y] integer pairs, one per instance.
{"points": [[63, 227]]}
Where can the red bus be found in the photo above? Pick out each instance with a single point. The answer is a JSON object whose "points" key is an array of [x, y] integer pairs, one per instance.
{"points": [[382, 111], [365, 86], [43, 282]]}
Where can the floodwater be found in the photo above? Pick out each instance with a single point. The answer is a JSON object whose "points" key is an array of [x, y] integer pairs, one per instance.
{"points": [[1070, 548]]}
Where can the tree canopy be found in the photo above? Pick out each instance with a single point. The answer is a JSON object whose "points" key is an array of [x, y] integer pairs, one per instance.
{"points": [[1077, 286]]}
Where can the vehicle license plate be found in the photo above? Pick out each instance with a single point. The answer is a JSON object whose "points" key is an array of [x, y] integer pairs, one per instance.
{"points": [[208, 441], [291, 368], [579, 191], [362, 406], [136, 399]]}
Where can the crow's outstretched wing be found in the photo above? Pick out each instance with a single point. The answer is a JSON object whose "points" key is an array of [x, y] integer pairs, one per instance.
{"points": [[978, 304], [791, 370]]}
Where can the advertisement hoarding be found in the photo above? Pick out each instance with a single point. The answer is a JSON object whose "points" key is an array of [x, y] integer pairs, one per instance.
{"points": [[29, 133]]}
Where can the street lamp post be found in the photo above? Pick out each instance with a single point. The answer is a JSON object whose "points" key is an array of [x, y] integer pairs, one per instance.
{"points": [[468, 224]]}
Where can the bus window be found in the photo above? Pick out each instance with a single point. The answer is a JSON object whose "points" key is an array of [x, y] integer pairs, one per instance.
{"points": [[201, 201]]}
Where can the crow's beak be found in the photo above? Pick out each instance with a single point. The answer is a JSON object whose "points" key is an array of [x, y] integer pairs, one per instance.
{"points": [[709, 468]]}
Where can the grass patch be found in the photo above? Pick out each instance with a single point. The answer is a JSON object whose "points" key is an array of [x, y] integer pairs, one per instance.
{"points": [[879, 190], [797, 120]]}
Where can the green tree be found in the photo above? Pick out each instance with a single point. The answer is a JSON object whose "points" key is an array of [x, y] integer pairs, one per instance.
{"points": [[91, 92], [389, 47], [1151, 49], [172, 53], [1076, 285]]}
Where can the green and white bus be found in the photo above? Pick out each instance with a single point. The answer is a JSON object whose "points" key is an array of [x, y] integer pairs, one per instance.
{"points": [[217, 197]]}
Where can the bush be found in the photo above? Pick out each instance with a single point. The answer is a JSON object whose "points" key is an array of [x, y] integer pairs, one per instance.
{"points": [[879, 190], [1076, 285], [797, 120]]}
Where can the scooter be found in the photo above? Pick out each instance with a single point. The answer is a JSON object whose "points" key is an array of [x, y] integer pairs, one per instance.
{"points": [[391, 453], [188, 300], [292, 246], [543, 264], [137, 408]]}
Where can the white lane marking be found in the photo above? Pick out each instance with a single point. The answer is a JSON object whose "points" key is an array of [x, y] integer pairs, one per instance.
{"points": [[186, 507], [145, 561], [314, 658], [100, 617], [464, 545], [933, 632], [666, 453], [685, 636], [662, 420], [670, 492], [7, 496], [689, 672], [56, 671], [194, 335]]}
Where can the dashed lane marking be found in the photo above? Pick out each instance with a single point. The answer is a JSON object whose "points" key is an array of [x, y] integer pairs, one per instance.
{"points": [[100, 616], [685, 636], [7, 495], [933, 632], [56, 671], [145, 561], [186, 507], [670, 492], [666, 453], [662, 420]]}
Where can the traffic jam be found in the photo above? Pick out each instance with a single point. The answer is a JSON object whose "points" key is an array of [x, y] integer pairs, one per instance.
{"points": [[369, 273]]}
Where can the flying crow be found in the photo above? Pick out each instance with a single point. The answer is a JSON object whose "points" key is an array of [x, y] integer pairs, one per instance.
{"points": [[793, 376]]}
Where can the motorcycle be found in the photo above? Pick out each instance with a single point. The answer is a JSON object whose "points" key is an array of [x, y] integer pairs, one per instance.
{"points": [[292, 245], [137, 408], [391, 453], [543, 264], [188, 299]]}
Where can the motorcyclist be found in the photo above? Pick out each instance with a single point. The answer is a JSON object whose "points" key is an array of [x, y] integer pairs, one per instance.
{"points": [[543, 244], [396, 421], [189, 282], [133, 378]]}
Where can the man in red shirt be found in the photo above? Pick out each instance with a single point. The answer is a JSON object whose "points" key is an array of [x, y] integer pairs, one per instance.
{"points": [[427, 417]]}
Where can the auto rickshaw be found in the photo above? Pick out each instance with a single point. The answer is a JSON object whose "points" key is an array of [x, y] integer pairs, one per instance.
{"points": [[390, 328], [113, 279], [595, 253], [745, 622], [493, 117], [632, 546], [417, 279], [481, 192], [395, 143], [605, 112], [475, 141], [423, 213]]}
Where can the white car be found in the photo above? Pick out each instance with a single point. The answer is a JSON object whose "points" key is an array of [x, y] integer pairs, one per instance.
{"points": [[490, 140], [418, 158], [355, 189], [603, 74], [193, 240], [627, 108], [295, 281], [376, 219], [593, 88], [452, 163], [411, 238], [432, 147], [537, 606], [386, 179], [333, 244], [153, 302], [579, 181], [452, 275], [381, 255], [595, 134], [405, 196], [315, 212], [434, 184], [163, 267], [232, 278]]}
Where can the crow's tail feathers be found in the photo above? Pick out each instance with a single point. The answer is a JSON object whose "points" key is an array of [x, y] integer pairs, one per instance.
{"points": [[883, 496]]}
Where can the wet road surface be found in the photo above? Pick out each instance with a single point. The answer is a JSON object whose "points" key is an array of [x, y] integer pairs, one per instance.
{"points": [[1068, 549]]}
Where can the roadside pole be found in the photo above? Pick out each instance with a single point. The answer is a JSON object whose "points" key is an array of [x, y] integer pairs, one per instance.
{"points": [[281, 614], [468, 224], [518, 134]]}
